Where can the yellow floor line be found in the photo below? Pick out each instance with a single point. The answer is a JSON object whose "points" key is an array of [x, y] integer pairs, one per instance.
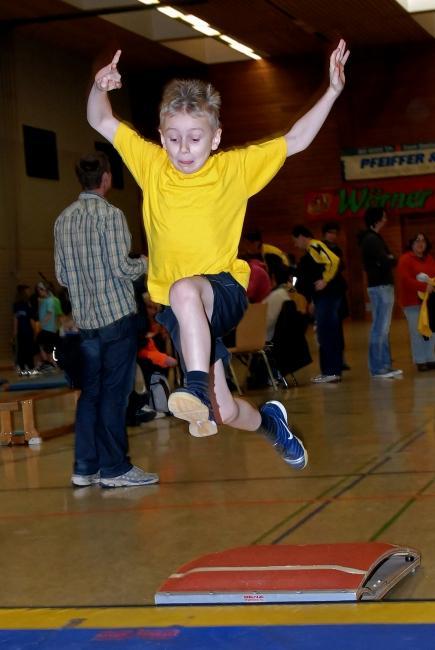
{"points": [[132, 617]]}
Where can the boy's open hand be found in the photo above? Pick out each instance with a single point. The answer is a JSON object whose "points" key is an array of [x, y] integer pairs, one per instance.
{"points": [[108, 78], [336, 67]]}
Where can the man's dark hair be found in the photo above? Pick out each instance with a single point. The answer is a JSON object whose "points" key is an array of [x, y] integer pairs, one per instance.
{"points": [[21, 293], [300, 229], [330, 226], [277, 268], [90, 169], [373, 215]]}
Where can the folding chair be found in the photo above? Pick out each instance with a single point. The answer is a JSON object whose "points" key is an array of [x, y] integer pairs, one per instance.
{"points": [[251, 339]]}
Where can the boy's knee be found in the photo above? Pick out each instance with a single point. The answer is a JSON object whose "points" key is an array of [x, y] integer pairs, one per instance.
{"points": [[182, 290]]}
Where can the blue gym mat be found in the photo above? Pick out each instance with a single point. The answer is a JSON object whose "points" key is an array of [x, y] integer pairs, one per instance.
{"points": [[39, 382], [308, 637]]}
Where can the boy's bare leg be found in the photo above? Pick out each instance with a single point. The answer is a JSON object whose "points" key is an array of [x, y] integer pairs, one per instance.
{"points": [[192, 303], [235, 412], [270, 420]]}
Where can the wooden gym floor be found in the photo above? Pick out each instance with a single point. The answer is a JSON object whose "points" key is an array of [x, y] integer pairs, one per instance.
{"points": [[371, 477]]}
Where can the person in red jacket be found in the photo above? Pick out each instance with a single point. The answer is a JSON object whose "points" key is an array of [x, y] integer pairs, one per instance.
{"points": [[417, 259]]}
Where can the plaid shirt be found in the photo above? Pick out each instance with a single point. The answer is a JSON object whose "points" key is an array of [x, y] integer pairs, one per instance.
{"points": [[92, 242]]}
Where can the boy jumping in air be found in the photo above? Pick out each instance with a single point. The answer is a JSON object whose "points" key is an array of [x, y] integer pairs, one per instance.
{"points": [[194, 205]]}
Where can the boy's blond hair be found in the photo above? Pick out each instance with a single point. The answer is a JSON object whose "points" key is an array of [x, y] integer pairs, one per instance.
{"points": [[191, 96]]}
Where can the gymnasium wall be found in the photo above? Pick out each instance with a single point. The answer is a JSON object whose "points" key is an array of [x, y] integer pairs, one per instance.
{"points": [[47, 90]]}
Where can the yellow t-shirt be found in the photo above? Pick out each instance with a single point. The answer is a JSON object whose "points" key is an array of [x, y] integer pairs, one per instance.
{"points": [[194, 221]]}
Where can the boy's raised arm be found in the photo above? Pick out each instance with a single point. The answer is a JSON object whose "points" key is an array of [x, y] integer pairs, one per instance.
{"points": [[99, 112], [306, 128]]}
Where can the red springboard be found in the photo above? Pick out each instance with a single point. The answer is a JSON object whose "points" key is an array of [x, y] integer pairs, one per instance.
{"points": [[288, 573]]}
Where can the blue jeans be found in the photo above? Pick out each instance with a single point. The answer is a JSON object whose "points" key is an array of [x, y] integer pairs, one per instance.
{"points": [[382, 301], [422, 349], [108, 365], [329, 333]]}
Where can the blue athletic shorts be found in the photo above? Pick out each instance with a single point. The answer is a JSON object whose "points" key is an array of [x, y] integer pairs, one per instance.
{"points": [[229, 305]]}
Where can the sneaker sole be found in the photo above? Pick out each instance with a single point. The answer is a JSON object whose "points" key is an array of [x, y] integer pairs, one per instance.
{"points": [[78, 482], [301, 462], [108, 483], [296, 464], [190, 408], [382, 377], [388, 376]]}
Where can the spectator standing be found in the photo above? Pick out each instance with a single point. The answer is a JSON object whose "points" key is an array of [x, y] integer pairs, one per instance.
{"points": [[48, 325], [92, 243], [23, 329], [317, 281], [330, 232], [378, 264], [417, 259]]}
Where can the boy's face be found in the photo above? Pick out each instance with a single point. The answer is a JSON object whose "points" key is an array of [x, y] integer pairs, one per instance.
{"points": [[188, 140]]}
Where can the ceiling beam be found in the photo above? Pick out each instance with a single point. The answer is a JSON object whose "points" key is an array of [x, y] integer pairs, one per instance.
{"points": [[89, 13]]}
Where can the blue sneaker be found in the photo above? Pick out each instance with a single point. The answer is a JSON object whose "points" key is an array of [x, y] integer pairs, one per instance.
{"points": [[275, 426], [195, 407]]}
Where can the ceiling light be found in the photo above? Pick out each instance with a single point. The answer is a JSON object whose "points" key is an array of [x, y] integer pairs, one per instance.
{"points": [[244, 49], [171, 12], [150, 2], [204, 27], [228, 39], [416, 6], [208, 31], [193, 20], [200, 25]]}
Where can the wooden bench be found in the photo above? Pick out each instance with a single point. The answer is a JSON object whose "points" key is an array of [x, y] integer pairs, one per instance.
{"points": [[33, 408], [7, 434]]}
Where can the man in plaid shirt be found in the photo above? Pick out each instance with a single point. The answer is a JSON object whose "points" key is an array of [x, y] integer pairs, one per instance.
{"points": [[92, 242]]}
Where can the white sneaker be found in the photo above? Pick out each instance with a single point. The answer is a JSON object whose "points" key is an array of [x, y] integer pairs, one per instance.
{"points": [[389, 374], [134, 477], [34, 441], [83, 480], [326, 379]]}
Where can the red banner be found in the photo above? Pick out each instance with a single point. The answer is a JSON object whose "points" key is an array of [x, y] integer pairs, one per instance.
{"points": [[401, 195]]}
